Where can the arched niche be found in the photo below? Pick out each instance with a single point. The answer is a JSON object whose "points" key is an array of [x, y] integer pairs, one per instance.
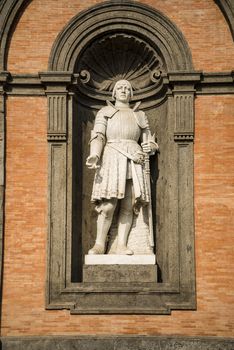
{"points": [[125, 16], [85, 62]]}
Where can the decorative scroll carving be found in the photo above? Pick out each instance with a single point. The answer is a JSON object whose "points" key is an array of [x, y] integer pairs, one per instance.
{"points": [[57, 117], [120, 56], [84, 76]]}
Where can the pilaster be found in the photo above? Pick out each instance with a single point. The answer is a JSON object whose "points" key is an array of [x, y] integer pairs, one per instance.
{"points": [[56, 89]]}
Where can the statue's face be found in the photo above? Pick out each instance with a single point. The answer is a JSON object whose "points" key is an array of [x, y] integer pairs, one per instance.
{"points": [[123, 91]]}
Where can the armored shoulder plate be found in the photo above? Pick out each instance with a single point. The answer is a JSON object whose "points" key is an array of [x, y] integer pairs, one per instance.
{"points": [[142, 120]]}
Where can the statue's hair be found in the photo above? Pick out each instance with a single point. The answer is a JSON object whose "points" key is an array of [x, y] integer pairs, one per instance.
{"points": [[121, 81]]}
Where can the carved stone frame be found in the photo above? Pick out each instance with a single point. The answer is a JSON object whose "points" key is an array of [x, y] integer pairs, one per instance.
{"points": [[177, 291]]}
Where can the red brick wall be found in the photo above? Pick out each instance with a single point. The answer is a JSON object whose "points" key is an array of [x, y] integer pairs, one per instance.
{"points": [[201, 22], [23, 311]]}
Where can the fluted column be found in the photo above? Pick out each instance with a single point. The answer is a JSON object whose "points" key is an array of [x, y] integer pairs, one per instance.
{"points": [[56, 88]]}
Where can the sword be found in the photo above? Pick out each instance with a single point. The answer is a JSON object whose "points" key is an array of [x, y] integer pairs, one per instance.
{"points": [[147, 173]]}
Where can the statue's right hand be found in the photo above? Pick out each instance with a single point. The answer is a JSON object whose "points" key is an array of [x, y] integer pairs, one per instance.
{"points": [[92, 161]]}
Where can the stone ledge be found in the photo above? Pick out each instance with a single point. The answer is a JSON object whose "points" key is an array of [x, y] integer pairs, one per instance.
{"points": [[116, 342]]}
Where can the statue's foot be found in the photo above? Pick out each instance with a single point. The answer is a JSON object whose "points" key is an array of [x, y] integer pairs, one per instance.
{"points": [[97, 249], [123, 250]]}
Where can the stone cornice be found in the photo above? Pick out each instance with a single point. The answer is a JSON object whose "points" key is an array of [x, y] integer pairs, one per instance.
{"points": [[216, 83], [56, 77], [38, 84], [184, 77], [117, 342]]}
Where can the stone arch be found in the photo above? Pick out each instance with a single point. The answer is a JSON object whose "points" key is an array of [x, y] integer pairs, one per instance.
{"points": [[227, 8], [10, 12], [125, 16]]}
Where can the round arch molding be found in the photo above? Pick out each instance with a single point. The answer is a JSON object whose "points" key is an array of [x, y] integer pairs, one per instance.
{"points": [[125, 16]]}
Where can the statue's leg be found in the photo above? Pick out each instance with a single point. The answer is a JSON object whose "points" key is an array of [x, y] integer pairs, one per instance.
{"points": [[104, 220], [125, 220]]}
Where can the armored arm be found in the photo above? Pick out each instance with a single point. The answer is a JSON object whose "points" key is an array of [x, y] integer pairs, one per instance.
{"points": [[97, 140], [149, 145]]}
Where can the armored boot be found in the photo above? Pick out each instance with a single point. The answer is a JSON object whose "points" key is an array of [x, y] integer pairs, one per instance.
{"points": [[124, 226], [103, 226], [106, 211]]}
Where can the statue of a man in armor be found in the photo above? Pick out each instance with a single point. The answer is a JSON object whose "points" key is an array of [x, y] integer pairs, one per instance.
{"points": [[119, 160]]}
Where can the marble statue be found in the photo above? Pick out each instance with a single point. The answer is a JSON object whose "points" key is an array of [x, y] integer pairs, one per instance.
{"points": [[120, 162]]}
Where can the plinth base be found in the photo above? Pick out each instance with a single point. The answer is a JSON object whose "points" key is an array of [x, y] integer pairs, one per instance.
{"points": [[120, 268], [114, 259]]}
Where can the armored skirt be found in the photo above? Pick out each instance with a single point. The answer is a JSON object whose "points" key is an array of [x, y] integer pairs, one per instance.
{"points": [[122, 132]]}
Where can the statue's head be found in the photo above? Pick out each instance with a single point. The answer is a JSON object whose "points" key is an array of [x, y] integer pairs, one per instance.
{"points": [[122, 91]]}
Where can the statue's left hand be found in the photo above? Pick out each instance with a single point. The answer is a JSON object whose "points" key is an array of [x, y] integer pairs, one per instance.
{"points": [[150, 147], [146, 147]]}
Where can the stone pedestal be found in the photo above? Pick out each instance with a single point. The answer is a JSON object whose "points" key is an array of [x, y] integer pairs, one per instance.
{"points": [[121, 268]]}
